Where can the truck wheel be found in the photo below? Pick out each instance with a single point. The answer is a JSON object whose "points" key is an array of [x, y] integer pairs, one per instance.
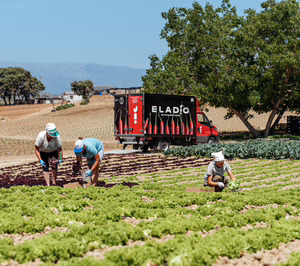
{"points": [[144, 148], [211, 140], [164, 145], [155, 147], [135, 146]]}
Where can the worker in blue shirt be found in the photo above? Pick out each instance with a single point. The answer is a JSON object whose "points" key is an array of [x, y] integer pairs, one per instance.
{"points": [[93, 150]]}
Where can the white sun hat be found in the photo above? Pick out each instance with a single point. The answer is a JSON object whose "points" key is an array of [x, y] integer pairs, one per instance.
{"points": [[79, 145], [51, 130], [218, 156]]}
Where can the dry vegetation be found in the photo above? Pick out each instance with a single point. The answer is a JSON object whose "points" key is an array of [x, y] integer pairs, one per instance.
{"points": [[94, 120], [19, 125], [18, 111]]}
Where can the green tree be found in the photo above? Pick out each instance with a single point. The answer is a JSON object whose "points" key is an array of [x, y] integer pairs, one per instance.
{"points": [[226, 60], [18, 84], [32, 89], [273, 36], [83, 88], [3, 88]]}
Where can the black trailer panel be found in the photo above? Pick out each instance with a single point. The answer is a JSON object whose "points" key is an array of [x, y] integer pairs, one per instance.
{"points": [[121, 114], [169, 115]]}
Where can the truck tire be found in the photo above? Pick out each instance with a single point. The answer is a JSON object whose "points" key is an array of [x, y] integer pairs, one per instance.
{"points": [[211, 140], [155, 147], [135, 146], [144, 148], [164, 145]]}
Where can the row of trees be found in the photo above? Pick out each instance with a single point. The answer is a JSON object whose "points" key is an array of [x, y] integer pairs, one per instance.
{"points": [[18, 84], [242, 63]]}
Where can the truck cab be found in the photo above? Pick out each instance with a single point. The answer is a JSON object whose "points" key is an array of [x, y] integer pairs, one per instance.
{"points": [[206, 131]]}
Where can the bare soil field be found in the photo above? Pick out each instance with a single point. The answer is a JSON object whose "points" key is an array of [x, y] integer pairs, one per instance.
{"points": [[93, 120], [18, 132], [15, 112]]}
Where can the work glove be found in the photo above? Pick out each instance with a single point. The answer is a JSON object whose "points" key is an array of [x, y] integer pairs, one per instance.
{"points": [[89, 173], [43, 163], [221, 185]]}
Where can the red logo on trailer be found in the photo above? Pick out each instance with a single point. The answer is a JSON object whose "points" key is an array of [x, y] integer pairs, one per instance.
{"points": [[135, 115]]}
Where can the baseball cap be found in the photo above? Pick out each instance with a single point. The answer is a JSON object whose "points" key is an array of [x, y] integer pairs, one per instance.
{"points": [[218, 156], [51, 130], [79, 146]]}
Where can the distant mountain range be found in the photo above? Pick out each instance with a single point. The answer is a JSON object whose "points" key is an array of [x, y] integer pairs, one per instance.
{"points": [[57, 77]]}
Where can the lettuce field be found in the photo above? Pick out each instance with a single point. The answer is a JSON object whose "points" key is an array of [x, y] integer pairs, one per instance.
{"points": [[142, 214]]}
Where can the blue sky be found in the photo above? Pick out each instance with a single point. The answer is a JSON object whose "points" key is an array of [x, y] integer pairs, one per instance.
{"points": [[108, 32]]}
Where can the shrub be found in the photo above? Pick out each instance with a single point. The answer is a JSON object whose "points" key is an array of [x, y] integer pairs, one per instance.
{"points": [[65, 106], [85, 102]]}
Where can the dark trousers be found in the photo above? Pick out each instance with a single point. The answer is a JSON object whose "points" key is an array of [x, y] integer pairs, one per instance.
{"points": [[219, 178], [46, 156]]}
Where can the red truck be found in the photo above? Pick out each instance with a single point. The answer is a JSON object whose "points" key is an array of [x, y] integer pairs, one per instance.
{"points": [[157, 121]]}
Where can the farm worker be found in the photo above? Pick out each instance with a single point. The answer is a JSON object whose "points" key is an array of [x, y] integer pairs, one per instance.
{"points": [[93, 150], [47, 145], [215, 173]]}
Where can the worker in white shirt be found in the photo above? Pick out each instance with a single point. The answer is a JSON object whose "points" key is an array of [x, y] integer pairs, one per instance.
{"points": [[48, 144], [215, 174]]}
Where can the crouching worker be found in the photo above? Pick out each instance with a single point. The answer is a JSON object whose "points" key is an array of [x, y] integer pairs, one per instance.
{"points": [[93, 150], [215, 173], [48, 145]]}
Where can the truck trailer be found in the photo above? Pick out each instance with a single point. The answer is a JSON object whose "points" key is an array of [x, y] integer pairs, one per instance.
{"points": [[158, 121]]}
